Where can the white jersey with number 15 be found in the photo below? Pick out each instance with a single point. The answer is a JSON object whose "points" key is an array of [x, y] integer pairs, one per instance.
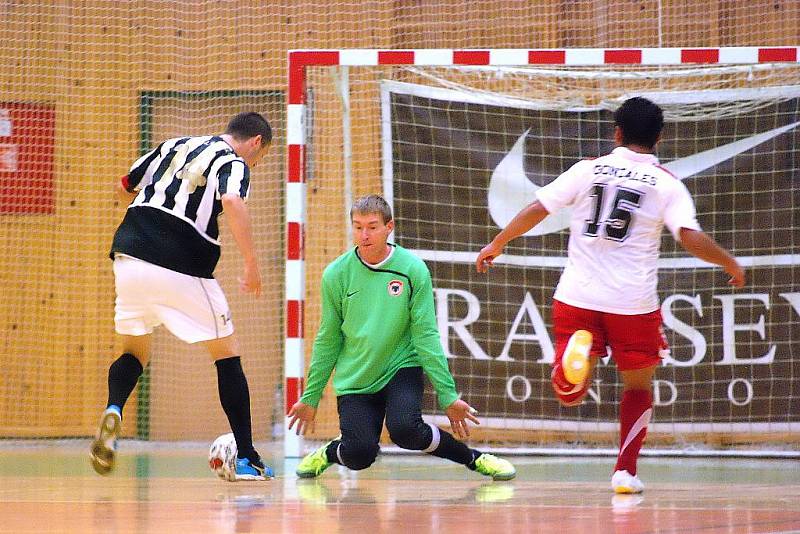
{"points": [[620, 204]]}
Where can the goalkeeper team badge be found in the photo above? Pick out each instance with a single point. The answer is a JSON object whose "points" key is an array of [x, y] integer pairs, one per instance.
{"points": [[395, 288]]}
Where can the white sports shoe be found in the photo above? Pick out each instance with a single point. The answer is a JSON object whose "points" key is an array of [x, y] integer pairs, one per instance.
{"points": [[624, 482], [103, 451]]}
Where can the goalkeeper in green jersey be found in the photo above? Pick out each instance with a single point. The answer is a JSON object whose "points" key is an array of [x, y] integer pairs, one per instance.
{"points": [[379, 331]]}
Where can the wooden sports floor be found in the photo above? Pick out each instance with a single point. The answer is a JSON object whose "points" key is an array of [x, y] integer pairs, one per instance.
{"points": [[51, 488]]}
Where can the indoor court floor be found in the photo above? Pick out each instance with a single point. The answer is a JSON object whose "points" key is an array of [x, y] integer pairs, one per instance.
{"points": [[51, 488]]}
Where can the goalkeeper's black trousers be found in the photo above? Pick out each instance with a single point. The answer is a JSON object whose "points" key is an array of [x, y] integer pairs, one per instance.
{"points": [[361, 418]]}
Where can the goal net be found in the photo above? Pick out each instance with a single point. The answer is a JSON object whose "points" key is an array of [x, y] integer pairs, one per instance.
{"points": [[88, 87], [460, 142]]}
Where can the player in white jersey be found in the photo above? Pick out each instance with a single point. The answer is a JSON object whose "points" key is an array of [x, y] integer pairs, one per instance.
{"points": [[606, 296], [165, 251]]}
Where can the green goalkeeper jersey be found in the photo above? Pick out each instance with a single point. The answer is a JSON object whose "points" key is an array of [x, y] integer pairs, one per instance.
{"points": [[375, 321]]}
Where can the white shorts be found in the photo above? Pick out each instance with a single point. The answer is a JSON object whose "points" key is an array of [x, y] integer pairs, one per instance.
{"points": [[193, 309]]}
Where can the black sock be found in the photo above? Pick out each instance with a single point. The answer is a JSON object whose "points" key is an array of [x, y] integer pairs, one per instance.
{"points": [[330, 452], [454, 450], [122, 377], [234, 395]]}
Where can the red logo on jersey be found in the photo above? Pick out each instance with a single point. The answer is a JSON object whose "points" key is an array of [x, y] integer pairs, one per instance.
{"points": [[395, 288]]}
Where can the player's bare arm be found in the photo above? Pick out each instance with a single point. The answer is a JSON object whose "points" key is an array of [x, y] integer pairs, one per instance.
{"points": [[702, 246], [302, 414], [527, 218], [241, 228]]}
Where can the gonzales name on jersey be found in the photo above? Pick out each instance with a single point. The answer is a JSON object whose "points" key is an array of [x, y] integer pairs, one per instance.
{"points": [[621, 202], [172, 222]]}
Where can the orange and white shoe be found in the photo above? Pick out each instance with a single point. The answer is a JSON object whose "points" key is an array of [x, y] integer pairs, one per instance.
{"points": [[575, 360], [570, 375]]}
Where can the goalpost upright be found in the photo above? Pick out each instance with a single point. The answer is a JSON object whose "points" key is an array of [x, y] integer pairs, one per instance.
{"points": [[297, 143]]}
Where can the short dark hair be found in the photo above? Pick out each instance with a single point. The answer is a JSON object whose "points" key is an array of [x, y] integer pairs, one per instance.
{"points": [[372, 204], [640, 120], [250, 124]]}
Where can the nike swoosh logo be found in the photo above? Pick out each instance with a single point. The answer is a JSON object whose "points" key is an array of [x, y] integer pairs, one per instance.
{"points": [[510, 190], [353, 293]]}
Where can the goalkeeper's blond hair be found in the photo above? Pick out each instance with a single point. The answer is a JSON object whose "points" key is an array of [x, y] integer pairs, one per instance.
{"points": [[372, 204]]}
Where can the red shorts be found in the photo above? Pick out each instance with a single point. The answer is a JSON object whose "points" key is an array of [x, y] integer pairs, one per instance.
{"points": [[636, 341]]}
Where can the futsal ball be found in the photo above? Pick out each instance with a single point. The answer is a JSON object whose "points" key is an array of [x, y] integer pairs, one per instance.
{"points": [[222, 457]]}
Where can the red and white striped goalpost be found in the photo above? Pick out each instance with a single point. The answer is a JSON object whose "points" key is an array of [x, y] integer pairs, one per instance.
{"points": [[294, 349]]}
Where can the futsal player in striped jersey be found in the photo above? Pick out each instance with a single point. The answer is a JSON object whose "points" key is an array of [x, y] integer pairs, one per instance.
{"points": [[606, 296], [378, 330], [165, 251]]}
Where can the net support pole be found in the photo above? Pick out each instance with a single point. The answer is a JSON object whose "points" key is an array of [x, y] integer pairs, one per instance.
{"points": [[343, 84]]}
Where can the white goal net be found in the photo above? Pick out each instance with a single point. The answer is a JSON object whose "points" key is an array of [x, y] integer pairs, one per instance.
{"points": [[459, 149]]}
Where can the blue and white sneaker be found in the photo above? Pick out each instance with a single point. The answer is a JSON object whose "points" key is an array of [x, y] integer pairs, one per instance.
{"points": [[247, 470], [103, 452]]}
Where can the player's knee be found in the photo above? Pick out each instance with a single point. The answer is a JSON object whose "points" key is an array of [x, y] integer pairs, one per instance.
{"points": [[359, 454], [410, 435]]}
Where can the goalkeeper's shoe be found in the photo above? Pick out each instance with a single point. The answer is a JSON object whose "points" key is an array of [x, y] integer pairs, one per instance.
{"points": [[570, 376], [103, 452], [315, 463], [247, 469], [492, 466], [624, 482]]}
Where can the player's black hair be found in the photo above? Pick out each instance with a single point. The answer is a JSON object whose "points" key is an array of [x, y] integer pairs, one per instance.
{"points": [[250, 124], [640, 120]]}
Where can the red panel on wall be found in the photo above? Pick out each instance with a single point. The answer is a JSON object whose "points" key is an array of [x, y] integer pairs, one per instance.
{"points": [[27, 144]]}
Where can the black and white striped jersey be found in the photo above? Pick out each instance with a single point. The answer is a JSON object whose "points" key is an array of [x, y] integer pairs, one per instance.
{"points": [[172, 222]]}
